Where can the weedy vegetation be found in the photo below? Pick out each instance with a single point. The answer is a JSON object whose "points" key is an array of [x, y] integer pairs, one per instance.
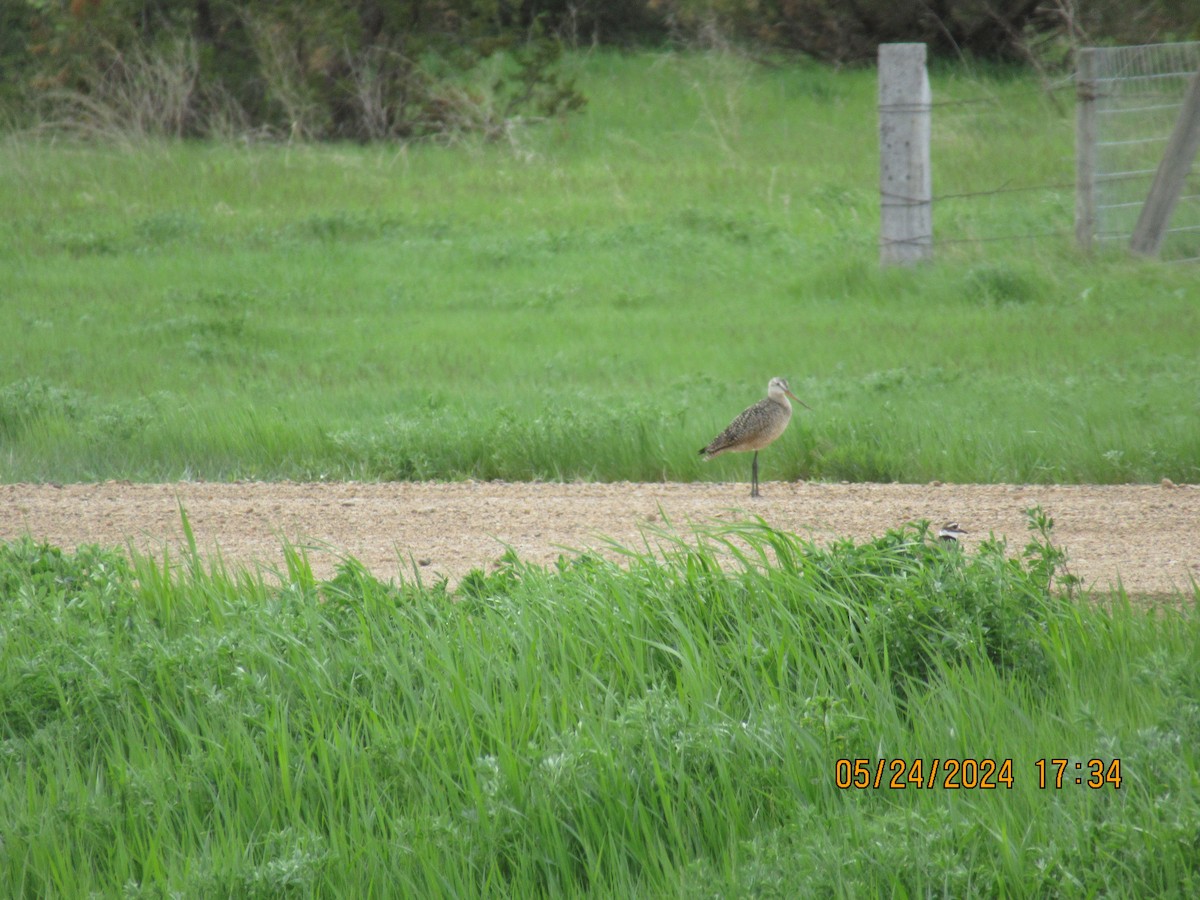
{"points": [[590, 298], [669, 724]]}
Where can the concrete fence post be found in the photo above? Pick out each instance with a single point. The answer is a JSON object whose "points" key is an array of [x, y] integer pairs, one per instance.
{"points": [[1086, 94], [905, 177]]}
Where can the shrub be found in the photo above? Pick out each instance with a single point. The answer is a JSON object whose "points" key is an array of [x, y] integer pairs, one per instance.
{"points": [[308, 70], [851, 32]]}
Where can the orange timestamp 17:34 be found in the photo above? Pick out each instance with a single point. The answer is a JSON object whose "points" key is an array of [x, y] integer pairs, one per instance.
{"points": [[971, 774]]}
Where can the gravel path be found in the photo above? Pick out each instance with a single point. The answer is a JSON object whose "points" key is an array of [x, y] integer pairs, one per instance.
{"points": [[1147, 536]]}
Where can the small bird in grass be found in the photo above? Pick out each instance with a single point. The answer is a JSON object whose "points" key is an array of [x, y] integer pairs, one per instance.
{"points": [[756, 427], [950, 532]]}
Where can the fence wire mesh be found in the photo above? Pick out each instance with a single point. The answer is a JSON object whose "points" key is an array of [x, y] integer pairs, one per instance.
{"points": [[1139, 93]]}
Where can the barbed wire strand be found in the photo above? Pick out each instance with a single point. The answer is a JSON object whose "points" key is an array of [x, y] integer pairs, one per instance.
{"points": [[991, 239], [892, 200], [929, 241]]}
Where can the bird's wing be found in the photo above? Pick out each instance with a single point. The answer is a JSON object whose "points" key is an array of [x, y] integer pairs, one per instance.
{"points": [[736, 430]]}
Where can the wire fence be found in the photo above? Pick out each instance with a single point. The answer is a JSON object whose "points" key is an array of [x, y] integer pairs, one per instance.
{"points": [[1138, 95], [976, 204], [1141, 91], [1034, 130]]}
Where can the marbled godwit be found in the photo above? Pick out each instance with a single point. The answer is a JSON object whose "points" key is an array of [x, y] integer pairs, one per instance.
{"points": [[756, 427]]}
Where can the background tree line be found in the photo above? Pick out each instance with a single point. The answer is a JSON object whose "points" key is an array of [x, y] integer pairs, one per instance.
{"points": [[404, 69]]}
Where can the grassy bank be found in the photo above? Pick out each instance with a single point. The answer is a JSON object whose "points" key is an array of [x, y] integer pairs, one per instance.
{"points": [[593, 300], [662, 728]]}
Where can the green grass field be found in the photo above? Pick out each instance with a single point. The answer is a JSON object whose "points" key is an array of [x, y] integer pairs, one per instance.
{"points": [[668, 727], [591, 300]]}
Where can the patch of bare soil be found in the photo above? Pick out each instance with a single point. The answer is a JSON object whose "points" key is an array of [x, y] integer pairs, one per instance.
{"points": [[1145, 536]]}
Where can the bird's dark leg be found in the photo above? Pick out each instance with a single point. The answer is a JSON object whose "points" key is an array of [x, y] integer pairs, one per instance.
{"points": [[754, 476]]}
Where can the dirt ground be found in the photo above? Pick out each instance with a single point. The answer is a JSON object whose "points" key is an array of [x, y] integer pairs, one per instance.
{"points": [[1148, 537]]}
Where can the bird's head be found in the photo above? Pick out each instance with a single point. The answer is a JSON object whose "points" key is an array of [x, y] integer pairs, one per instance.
{"points": [[779, 386]]}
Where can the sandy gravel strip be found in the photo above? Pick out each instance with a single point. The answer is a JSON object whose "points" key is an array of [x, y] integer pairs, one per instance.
{"points": [[1147, 536]]}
